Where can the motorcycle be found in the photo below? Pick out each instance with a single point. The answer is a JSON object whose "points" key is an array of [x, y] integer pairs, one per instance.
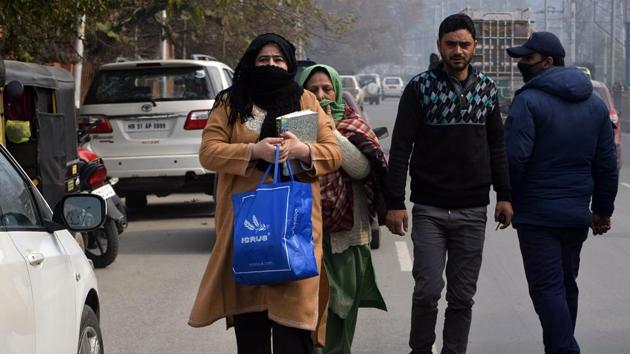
{"points": [[101, 245]]}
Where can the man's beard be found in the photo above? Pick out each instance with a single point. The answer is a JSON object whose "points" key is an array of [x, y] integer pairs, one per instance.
{"points": [[461, 65]]}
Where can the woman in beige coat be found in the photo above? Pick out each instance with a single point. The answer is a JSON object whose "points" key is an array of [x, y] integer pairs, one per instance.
{"points": [[239, 143]]}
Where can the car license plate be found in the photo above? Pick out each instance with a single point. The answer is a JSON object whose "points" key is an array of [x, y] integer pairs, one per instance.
{"points": [[146, 125], [105, 191]]}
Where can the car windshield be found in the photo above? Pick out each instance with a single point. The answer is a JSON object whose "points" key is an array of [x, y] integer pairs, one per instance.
{"points": [[601, 93], [391, 81], [151, 84]]}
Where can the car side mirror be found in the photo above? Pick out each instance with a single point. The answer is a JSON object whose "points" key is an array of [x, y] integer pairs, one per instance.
{"points": [[381, 132], [13, 91], [80, 212]]}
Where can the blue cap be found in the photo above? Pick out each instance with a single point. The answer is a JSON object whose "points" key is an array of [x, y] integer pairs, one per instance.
{"points": [[545, 43]]}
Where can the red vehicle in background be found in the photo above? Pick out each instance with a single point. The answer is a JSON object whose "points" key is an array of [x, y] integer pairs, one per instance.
{"points": [[601, 90]]}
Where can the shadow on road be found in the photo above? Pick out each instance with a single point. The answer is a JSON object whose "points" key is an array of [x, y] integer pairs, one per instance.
{"points": [[172, 210]]}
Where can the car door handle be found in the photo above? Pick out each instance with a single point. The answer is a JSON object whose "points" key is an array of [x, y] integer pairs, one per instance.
{"points": [[35, 259]]}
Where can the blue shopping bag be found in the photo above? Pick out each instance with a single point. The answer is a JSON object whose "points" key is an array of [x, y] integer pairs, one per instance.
{"points": [[273, 232]]}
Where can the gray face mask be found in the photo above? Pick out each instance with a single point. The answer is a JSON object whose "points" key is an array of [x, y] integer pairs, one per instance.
{"points": [[527, 70]]}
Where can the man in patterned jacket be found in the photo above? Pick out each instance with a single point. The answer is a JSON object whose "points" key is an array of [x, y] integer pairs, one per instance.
{"points": [[449, 122]]}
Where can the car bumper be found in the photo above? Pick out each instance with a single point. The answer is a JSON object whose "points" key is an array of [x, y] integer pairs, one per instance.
{"points": [[153, 166]]}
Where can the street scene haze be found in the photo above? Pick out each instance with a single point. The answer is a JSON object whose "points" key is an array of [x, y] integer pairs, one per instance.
{"points": [[431, 159]]}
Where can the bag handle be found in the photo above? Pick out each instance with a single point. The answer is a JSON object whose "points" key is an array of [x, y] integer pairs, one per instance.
{"points": [[276, 170]]}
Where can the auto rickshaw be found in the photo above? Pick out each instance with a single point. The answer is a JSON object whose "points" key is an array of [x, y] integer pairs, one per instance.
{"points": [[38, 125]]}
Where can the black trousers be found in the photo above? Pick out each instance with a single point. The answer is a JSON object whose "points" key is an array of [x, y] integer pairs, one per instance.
{"points": [[551, 257], [255, 330]]}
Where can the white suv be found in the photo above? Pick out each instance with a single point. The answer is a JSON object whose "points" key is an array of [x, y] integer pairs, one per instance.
{"points": [[146, 117], [392, 86]]}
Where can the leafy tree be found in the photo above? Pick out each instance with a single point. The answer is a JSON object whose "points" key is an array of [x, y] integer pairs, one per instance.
{"points": [[221, 28], [45, 31], [42, 31]]}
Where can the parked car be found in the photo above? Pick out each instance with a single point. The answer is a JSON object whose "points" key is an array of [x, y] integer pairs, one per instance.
{"points": [[351, 84], [149, 116], [392, 86], [601, 90], [371, 84], [49, 300]]}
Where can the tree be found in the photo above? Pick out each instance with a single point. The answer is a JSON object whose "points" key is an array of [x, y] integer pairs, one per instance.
{"points": [[42, 31], [221, 28], [377, 34]]}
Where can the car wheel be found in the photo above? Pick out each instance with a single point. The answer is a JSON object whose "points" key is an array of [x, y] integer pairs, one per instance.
{"points": [[375, 243], [135, 200], [102, 245], [90, 337]]}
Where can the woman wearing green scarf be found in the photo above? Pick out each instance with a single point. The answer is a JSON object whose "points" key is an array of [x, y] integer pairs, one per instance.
{"points": [[350, 201]]}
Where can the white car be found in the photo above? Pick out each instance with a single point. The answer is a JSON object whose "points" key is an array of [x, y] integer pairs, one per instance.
{"points": [[49, 297], [392, 86], [351, 84], [146, 118]]}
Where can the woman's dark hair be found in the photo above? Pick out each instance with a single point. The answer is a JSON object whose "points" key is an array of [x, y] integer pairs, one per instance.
{"points": [[456, 22], [238, 97]]}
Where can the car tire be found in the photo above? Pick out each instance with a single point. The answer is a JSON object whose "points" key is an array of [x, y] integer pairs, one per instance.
{"points": [[375, 243], [135, 200], [90, 337], [105, 257]]}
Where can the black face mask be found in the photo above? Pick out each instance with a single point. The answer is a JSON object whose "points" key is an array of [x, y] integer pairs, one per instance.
{"points": [[527, 70]]}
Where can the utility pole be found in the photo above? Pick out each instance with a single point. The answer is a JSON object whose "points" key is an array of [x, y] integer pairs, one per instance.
{"points": [[627, 23], [546, 16], [78, 68], [573, 11], [611, 65], [164, 46]]}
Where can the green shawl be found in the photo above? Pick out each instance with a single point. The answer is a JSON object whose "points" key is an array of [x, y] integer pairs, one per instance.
{"points": [[337, 107]]}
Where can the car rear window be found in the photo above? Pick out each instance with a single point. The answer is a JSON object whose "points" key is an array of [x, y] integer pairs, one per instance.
{"points": [[392, 81], [157, 84], [348, 82], [601, 93]]}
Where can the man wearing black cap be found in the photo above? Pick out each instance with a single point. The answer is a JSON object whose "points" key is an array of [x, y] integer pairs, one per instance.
{"points": [[561, 154]]}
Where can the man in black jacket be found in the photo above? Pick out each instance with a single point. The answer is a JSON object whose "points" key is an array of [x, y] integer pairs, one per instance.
{"points": [[449, 122]]}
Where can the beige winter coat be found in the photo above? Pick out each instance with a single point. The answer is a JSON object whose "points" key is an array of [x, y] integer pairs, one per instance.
{"points": [[227, 149]]}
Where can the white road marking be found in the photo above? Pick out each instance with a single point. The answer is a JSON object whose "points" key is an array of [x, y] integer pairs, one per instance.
{"points": [[625, 185], [403, 256], [434, 349]]}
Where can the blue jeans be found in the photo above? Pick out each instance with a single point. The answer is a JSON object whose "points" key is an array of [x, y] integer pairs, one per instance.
{"points": [[551, 257], [436, 234]]}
